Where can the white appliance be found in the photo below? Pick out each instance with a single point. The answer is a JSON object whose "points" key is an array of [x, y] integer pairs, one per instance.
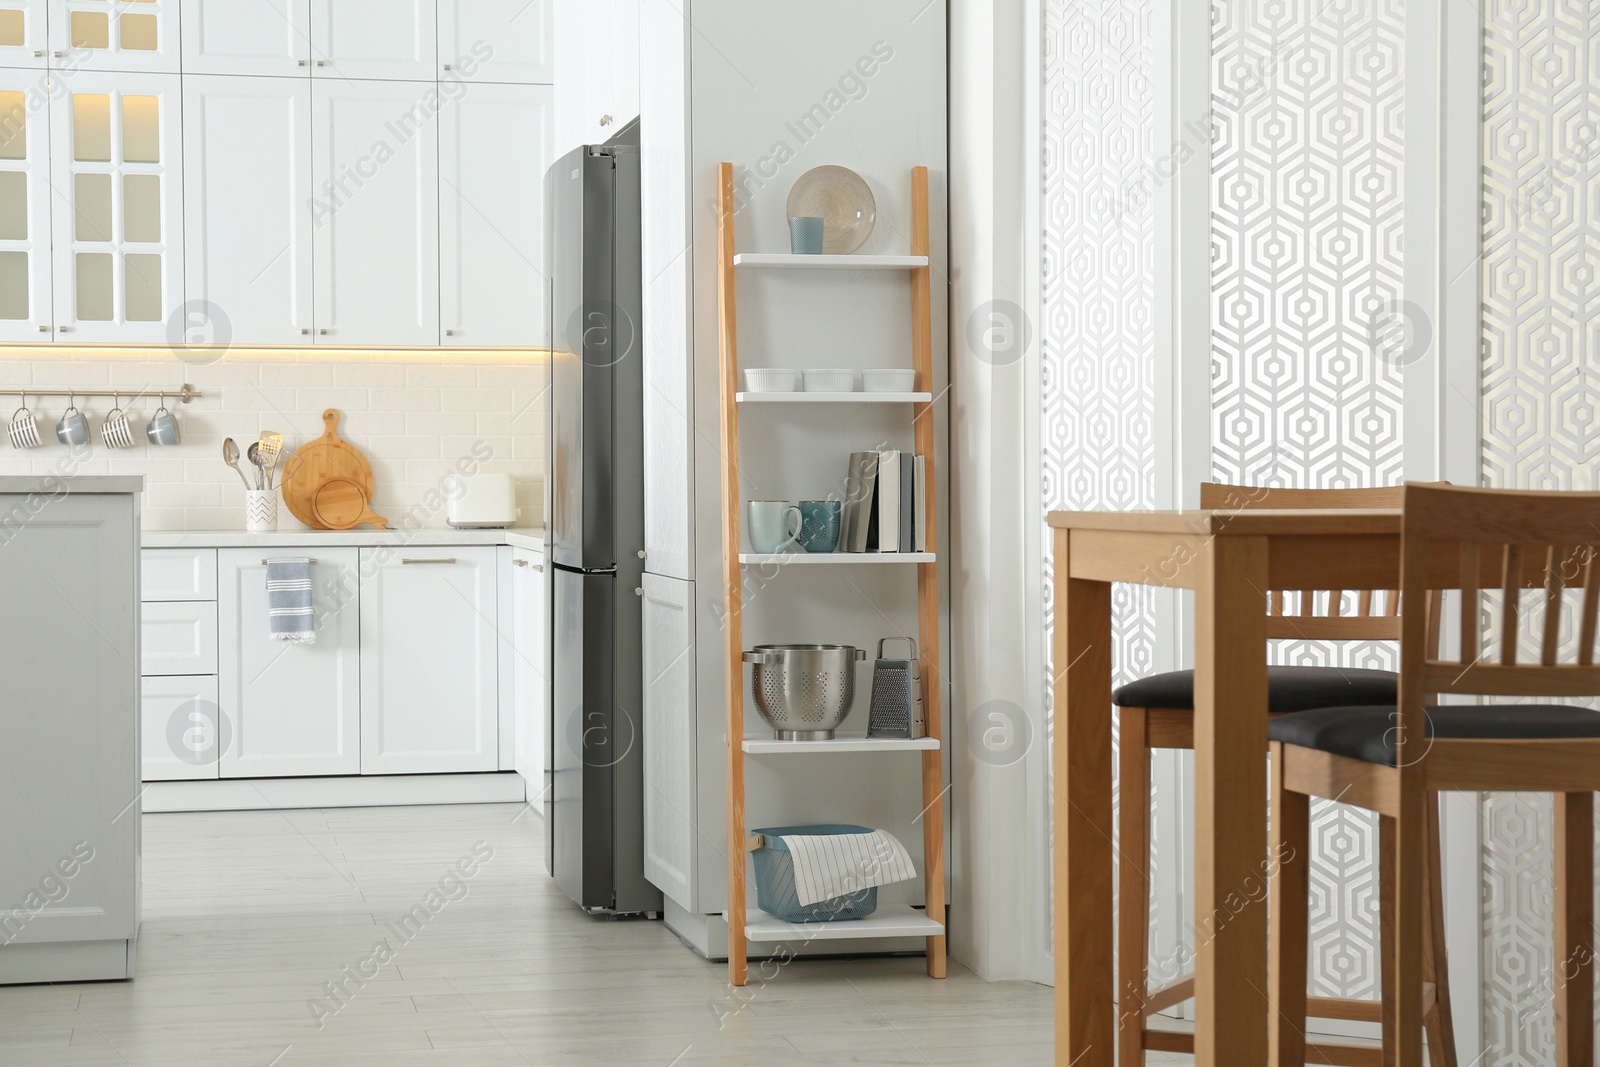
{"points": [[485, 502]]}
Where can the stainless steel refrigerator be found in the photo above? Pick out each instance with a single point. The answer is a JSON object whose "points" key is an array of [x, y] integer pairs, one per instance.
{"points": [[595, 798]]}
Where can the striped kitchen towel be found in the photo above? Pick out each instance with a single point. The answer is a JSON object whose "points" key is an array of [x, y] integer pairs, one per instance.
{"points": [[290, 614], [836, 865]]}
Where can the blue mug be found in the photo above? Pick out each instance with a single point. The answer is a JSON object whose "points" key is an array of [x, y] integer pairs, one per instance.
{"points": [[805, 235], [820, 521]]}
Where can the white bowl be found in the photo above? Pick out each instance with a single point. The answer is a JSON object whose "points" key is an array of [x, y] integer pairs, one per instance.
{"points": [[888, 381], [772, 380], [832, 381]]}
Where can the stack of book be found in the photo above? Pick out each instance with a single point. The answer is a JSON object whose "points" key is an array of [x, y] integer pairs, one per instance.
{"points": [[886, 497]]}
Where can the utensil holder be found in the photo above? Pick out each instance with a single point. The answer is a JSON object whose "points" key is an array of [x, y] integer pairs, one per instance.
{"points": [[260, 510]]}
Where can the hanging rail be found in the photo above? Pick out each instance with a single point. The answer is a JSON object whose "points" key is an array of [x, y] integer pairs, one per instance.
{"points": [[186, 394]]}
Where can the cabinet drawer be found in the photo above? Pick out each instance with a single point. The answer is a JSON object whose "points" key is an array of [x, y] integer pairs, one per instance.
{"points": [[179, 638], [181, 730], [178, 574]]}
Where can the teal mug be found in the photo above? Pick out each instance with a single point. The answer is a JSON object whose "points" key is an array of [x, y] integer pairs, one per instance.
{"points": [[820, 521]]}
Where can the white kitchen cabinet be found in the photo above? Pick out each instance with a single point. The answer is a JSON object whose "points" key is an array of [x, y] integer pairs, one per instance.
{"points": [[178, 574], [247, 187], [291, 708], [180, 732], [497, 40], [118, 222], [390, 39], [429, 667], [375, 213], [120, 35], [494, 147], [23, 41], [259, 37], [26, 312], [178, 637], [597, 83], [669, 729], [530, 655]]}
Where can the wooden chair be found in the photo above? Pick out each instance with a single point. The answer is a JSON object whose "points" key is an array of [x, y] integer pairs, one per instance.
{"points": [[1158, 712], [1395, 761]]}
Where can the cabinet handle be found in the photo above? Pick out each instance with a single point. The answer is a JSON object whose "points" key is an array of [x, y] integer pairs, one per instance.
{"points": [[38, 52], [641, 554], [528, 563], [605, 120], [322, 62], [310, 561], [323, 332], [299, 62], [418, 562], [44, 329], [304, 330], [447, 66], [449, 333], [638, 590], [63, 329], [57, 55]]}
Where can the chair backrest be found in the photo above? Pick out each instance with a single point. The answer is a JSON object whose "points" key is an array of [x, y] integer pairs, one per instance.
{"points": [[1504, 540], [1294, 615]]}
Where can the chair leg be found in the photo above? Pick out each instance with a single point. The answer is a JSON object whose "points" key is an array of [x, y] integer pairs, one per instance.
{"points": [[1386, 939], [1574, 914], [1288, 908], [1133, 884], [1408, 857], [1435, 960]]}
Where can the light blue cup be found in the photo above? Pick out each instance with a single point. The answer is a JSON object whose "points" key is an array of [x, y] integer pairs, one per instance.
{"points": [[805, 235]]}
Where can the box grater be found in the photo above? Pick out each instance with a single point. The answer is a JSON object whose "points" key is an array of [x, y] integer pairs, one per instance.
{"points": [[897, 695]]}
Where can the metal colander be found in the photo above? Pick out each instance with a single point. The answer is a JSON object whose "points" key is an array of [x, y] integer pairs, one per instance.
{"points": [[804, 691]]}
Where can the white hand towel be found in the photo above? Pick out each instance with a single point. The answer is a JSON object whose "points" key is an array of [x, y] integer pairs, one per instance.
{"points": [[291, 615], [837, 865]]}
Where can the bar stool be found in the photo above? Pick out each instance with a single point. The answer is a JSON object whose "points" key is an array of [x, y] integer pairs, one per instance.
{"points": [[1395, 760], [1158, 713]]}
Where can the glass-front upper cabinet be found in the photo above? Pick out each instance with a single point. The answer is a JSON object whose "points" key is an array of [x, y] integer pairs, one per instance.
{"points": [[25, 308], [119, 221], [23, 42], [136, 35]]}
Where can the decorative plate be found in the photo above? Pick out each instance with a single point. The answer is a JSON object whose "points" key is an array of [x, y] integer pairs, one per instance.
{"points": [[843, 199]]}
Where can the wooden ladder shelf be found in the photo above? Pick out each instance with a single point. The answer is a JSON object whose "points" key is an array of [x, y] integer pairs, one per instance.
{"points": [[904, 922]]}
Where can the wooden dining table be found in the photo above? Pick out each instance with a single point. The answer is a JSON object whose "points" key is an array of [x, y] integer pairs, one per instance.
{"points": [[1231, 559]]}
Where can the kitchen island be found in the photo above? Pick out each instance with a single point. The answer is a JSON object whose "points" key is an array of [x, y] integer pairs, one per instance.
{"points": [[69, 704]]}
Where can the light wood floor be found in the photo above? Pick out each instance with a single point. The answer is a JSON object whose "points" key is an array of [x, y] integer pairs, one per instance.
{"points": [[249, 916]]}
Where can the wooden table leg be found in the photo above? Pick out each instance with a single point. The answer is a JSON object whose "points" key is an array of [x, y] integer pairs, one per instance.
{"points": [[1230, 740], [1085, 990]]}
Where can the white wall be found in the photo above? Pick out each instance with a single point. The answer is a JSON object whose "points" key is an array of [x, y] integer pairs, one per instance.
{"points": [[414, 415]]}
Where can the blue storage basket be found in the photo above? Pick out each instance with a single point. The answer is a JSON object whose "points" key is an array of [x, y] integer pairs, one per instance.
{"points": [[775, 892]]}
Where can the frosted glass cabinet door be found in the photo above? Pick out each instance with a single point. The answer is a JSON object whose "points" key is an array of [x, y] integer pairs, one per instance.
{"points": [[22, 33], [374, 39], [118, 222], [25, 301], [270, 37], [493, 151], [136, 35], [247, 180], [497, 40], [375, 213]]}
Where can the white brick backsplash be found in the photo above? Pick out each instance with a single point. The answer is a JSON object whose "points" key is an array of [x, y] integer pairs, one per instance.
{"points": [[412, 414]]}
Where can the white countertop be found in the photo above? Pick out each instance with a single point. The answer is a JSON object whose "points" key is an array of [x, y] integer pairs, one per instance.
{"points": [[530, 537]]}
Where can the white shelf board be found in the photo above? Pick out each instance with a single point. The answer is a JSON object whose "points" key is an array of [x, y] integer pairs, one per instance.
{"points": [[787, 558], [766, 745], [893, 920], [833, 398], [821, 262]]}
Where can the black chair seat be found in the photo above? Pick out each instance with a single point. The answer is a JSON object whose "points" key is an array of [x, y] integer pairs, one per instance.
{"points": [[1288, 689], [1368, 733]]}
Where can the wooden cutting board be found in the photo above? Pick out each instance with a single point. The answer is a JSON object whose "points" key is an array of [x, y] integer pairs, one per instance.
{"points": [[341, 505], [315, 464]]}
